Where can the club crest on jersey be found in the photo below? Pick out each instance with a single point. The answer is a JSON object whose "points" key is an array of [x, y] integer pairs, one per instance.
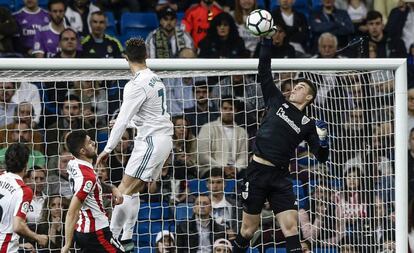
{"points": [[88, 186], [25, 207], [305, 120]]}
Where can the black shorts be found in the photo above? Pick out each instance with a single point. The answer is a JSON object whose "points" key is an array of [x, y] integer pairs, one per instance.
{"points": [[100, 241], [269, 183]]}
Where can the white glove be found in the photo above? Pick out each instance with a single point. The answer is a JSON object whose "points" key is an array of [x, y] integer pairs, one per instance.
{"points": [[322, 131]]}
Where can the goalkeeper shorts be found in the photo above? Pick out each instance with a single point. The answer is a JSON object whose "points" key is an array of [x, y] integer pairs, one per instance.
{"points": [[148, 157], [267, 183]]}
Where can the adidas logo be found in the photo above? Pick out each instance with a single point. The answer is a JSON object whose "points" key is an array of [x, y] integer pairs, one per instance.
{"points": [[49, 41], [24, 21]]}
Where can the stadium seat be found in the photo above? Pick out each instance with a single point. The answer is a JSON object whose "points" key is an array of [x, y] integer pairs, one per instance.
{"points": [[147, 231], [154, 211], [275, 250], [197, 186], [102, 139], [183, 212], [9, 4], [316, 5], [111, 27], [144, 250], [180, 16], [325, 250], [252, 250], [138, 24], [299, 192], [261, 4], [230, 186]]}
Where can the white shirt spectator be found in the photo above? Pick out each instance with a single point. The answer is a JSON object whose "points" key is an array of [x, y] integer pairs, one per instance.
{"points": [[75, 18], [180, 40], [35, 209], [27, 92], [408, 30]]}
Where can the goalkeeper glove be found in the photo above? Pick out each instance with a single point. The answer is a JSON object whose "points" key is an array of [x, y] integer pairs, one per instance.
{"points": [[322, 131], [270, 33]]}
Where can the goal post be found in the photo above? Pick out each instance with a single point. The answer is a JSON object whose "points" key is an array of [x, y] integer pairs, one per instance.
{"points": [[43, 70]]}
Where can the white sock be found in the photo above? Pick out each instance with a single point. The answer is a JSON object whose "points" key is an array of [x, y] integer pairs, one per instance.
{"points": [[124, 217]]}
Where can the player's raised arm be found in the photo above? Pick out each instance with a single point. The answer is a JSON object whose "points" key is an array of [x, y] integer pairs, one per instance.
{"points": [[269, 89]]}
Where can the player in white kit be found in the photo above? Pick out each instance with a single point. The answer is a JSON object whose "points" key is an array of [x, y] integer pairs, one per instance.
{"points": [[144, 108], [86, 220], [15, 198]]}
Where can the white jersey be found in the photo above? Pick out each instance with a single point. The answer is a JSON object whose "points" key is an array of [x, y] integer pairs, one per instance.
{"points": [[144, 107], [15, 198], [86, 186]]}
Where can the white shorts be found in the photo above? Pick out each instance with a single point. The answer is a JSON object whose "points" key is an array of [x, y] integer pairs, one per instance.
{"points": [[148, 157]]}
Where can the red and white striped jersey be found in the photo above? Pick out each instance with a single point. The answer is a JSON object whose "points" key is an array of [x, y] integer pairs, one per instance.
{"points": [[15, 198], [86, 186]]}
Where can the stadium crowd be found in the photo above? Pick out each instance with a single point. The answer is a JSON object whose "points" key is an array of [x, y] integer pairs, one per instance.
{"points": [[196, 205]]}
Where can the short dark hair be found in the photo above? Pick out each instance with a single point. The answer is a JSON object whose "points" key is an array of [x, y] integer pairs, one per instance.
{"points": [[372, 15], [75, 141], [52, 2], [217, 172], [135, 50], [65, 30], [201, 84], [99, 13], [35, 168], [16, 158], [228, 99], [312, 86], [70, 98]]}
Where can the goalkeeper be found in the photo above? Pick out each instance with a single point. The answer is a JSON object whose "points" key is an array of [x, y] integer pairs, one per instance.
{"points": [[267, 176]]}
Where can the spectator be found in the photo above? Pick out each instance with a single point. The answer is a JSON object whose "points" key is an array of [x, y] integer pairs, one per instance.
{"points": [[400, 23], [24, 114], [411, 225], [29, 19], [8, 27], [332, 20], [222, 246], [98, 44], [180, 94], [199, 232], [36, 177], [168, 40], [357, 11], [387, 47], [46, 39], [165, 242], [202, 112], [185, 149], [198, 17], [70, 119], [94, 101], [68, 43], [224, 207], [58, 179], [222, 142], [119, 7], [294, 23], [280, 44], [22, 133], [79, 13], [28, 92], [327, 46], [410, 103], [53, 222], [7, 107], [222, 39], [120, 156], [242, 10]]}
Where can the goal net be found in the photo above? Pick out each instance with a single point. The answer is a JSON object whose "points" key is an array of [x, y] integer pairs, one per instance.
{"points": [[348, 204]]}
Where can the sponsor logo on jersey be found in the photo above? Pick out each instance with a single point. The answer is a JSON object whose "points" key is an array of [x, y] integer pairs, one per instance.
{"points": [[25, 207], [282, 114], [88, 186], [305, 120], [285, 105]]}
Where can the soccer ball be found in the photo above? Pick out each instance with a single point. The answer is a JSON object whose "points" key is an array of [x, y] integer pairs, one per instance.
{"points": [[259, 22]]}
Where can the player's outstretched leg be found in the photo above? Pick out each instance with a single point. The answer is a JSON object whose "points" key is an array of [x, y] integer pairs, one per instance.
{"points": [[125, 215], [289, 225], [250, 224]]}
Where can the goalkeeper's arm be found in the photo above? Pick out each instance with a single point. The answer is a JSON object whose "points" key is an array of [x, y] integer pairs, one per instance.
{"points": [[269, 89]]}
